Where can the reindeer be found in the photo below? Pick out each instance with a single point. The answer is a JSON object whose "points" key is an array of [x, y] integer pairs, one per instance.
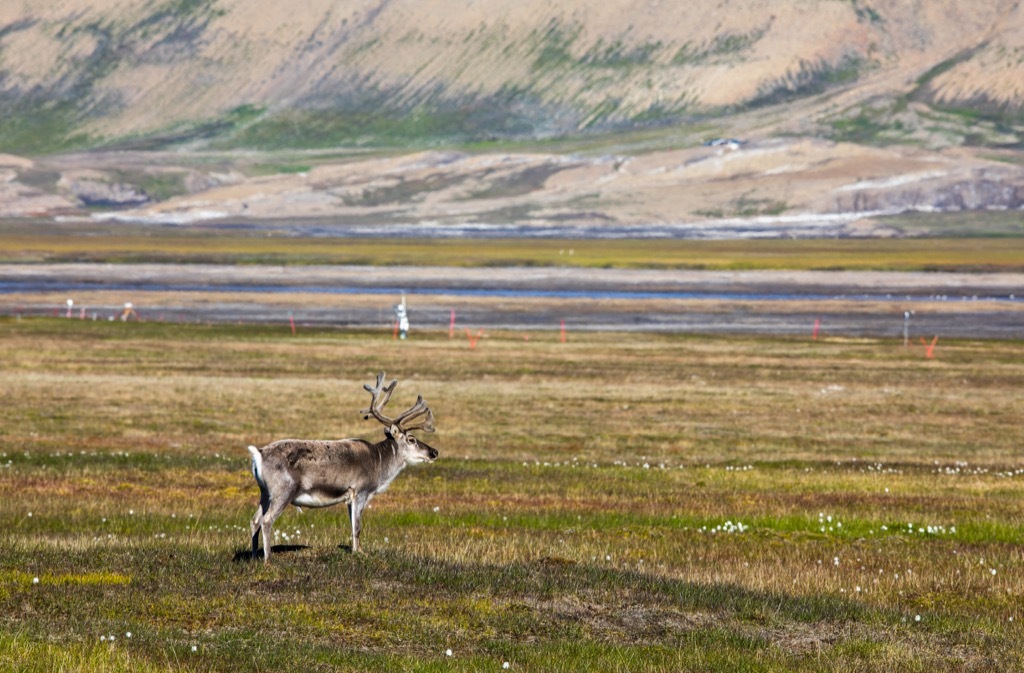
{"points": [[322, 473]]}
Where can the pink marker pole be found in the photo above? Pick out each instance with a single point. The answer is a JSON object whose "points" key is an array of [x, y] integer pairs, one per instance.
{"points": [[562, 332], [451, 325], [291, 321], [817, 324]]}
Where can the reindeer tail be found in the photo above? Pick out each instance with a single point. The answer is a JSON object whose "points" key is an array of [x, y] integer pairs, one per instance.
{"points": [[257, 463]]}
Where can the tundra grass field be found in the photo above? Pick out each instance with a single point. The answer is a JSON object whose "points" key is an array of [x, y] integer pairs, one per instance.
{"points": [[960, 248], [619, 502]]}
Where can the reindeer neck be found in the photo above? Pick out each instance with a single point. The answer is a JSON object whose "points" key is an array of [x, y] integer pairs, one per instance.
{"points": [[386, 453], [389, 463], [385, 447]]}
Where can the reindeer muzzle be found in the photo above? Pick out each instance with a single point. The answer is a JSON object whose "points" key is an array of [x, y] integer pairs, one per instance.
{"points": [[431, 451]]}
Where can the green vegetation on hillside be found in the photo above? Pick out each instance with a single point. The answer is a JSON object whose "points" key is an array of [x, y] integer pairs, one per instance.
{"points": [[36, 126], [370, 120]]}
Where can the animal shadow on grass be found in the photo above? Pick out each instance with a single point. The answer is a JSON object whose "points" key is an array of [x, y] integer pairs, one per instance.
{"points": [[246, 554]]}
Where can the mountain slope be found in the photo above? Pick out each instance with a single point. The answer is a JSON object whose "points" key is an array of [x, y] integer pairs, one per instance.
{"points": [[322, 73]]}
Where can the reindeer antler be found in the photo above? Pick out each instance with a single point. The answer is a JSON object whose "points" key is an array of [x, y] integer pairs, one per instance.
{"points": [[381, 394], [376, 403]]}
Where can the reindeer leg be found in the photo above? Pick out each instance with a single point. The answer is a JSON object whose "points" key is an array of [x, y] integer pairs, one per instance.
{"points": [[254, 529], [359, 503], [270, 514], [257, 522], [352, 518]]}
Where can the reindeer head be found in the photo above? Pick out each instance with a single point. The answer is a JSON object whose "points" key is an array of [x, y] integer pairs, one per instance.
{"points": [[398, 429]]}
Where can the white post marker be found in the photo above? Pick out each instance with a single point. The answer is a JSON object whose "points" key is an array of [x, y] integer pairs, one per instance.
{"points": [[906, 327], [402, 315]]}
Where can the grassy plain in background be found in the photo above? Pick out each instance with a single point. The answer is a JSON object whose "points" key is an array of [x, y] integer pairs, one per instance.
{"points": [[24, 244]]}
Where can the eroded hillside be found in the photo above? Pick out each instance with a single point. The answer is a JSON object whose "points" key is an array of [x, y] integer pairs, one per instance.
{"points": [[322, 73]]}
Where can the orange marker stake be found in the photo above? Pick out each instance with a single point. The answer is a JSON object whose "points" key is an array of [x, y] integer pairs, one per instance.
{"points": [[930, 353], [291, 321], [472, 339], [562, 335], [817, 324]]}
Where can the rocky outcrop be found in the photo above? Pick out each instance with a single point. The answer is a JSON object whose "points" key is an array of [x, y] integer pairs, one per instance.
{"points": [[956, 190], [98, 194]]}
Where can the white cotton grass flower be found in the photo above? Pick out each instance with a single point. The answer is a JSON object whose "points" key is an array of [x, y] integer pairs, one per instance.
{"points": [[505, 665], [448, 652], [35, 580]]}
